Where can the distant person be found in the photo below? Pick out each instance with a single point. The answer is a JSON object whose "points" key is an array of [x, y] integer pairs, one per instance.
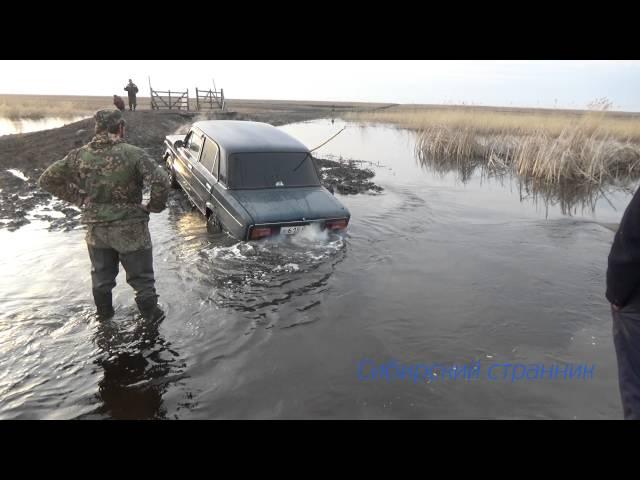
{"points": [[623, 291], [132, 91], [118, 102], [105, 179]]}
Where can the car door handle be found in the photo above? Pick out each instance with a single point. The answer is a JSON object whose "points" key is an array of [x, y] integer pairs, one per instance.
{"points": [[208, 186], [190, 167]]}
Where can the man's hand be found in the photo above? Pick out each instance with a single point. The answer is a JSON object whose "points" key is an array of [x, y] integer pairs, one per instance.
{"points": [[615, 307]]}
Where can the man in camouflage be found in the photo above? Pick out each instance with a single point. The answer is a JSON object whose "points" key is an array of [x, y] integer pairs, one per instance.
{"points": [[132, 91], [105, 179]]}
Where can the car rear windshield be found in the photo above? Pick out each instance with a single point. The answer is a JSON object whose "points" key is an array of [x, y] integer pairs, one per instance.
{"points": [[272, 170]]}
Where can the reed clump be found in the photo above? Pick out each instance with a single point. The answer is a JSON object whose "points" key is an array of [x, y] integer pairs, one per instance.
{"points": [[553, 147], [35, 107]]}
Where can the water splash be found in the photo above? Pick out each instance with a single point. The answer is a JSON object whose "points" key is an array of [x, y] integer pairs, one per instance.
{"points": [[18, 174]]}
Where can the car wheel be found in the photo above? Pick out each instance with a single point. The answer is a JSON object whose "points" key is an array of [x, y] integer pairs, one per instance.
{"points": [[213, 224], [172, 178]]}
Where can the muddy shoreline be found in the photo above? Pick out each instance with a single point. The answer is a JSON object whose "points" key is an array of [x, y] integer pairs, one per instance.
{"points": [[23, 158]]}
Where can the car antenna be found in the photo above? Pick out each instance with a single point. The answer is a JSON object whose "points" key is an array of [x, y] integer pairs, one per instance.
{"points": [[322, 144]]}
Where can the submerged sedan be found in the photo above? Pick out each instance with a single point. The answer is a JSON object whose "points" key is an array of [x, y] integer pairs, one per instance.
{"points": [[251, 180]]}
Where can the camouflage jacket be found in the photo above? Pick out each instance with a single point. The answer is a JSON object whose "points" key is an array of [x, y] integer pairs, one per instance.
{"points": [[105, 179]]}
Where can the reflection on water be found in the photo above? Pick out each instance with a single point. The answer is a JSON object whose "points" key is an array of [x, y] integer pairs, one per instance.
{"points": [[138, 365], [26, 125], [572, 198]]}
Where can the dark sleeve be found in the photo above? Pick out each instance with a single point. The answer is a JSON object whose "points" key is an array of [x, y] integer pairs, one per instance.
{"points": [[157, 179], [623, 272]]}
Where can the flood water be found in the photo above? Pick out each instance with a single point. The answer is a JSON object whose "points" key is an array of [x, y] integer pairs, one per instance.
{"points": [[432, 270], [27, 125]]}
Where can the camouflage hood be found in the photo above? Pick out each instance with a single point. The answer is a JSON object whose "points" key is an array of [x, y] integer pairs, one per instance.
{"points": [[104, 140]]}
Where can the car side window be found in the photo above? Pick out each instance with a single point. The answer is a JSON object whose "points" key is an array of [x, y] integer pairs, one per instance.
{"points": [[209, 159], [194, 145]]}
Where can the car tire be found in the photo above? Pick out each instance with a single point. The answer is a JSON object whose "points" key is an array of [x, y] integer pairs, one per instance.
{"points": [[213, 224], [172, 178]]}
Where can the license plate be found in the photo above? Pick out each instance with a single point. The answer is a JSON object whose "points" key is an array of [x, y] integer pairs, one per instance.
{"points": [[292, 230]]}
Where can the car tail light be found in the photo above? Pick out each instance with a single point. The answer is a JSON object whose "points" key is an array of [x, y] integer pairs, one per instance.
{"points": [[336, 224], [257, 233]]}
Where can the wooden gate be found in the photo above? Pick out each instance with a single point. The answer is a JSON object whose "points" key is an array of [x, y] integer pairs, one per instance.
{"points": [[176, 100], [209, 99]]}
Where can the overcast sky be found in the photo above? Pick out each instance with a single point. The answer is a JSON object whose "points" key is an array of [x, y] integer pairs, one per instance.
{"points": [[484, 82]]}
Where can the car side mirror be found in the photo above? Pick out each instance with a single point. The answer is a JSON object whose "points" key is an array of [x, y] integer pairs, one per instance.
{"points": [[178, 144]]}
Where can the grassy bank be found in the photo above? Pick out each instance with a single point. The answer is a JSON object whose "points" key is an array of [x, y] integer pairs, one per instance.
{"points": [[33, 107], [550, 146]]}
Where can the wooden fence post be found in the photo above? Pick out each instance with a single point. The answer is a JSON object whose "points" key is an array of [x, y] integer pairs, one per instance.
{"points": [[150, 91]]}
